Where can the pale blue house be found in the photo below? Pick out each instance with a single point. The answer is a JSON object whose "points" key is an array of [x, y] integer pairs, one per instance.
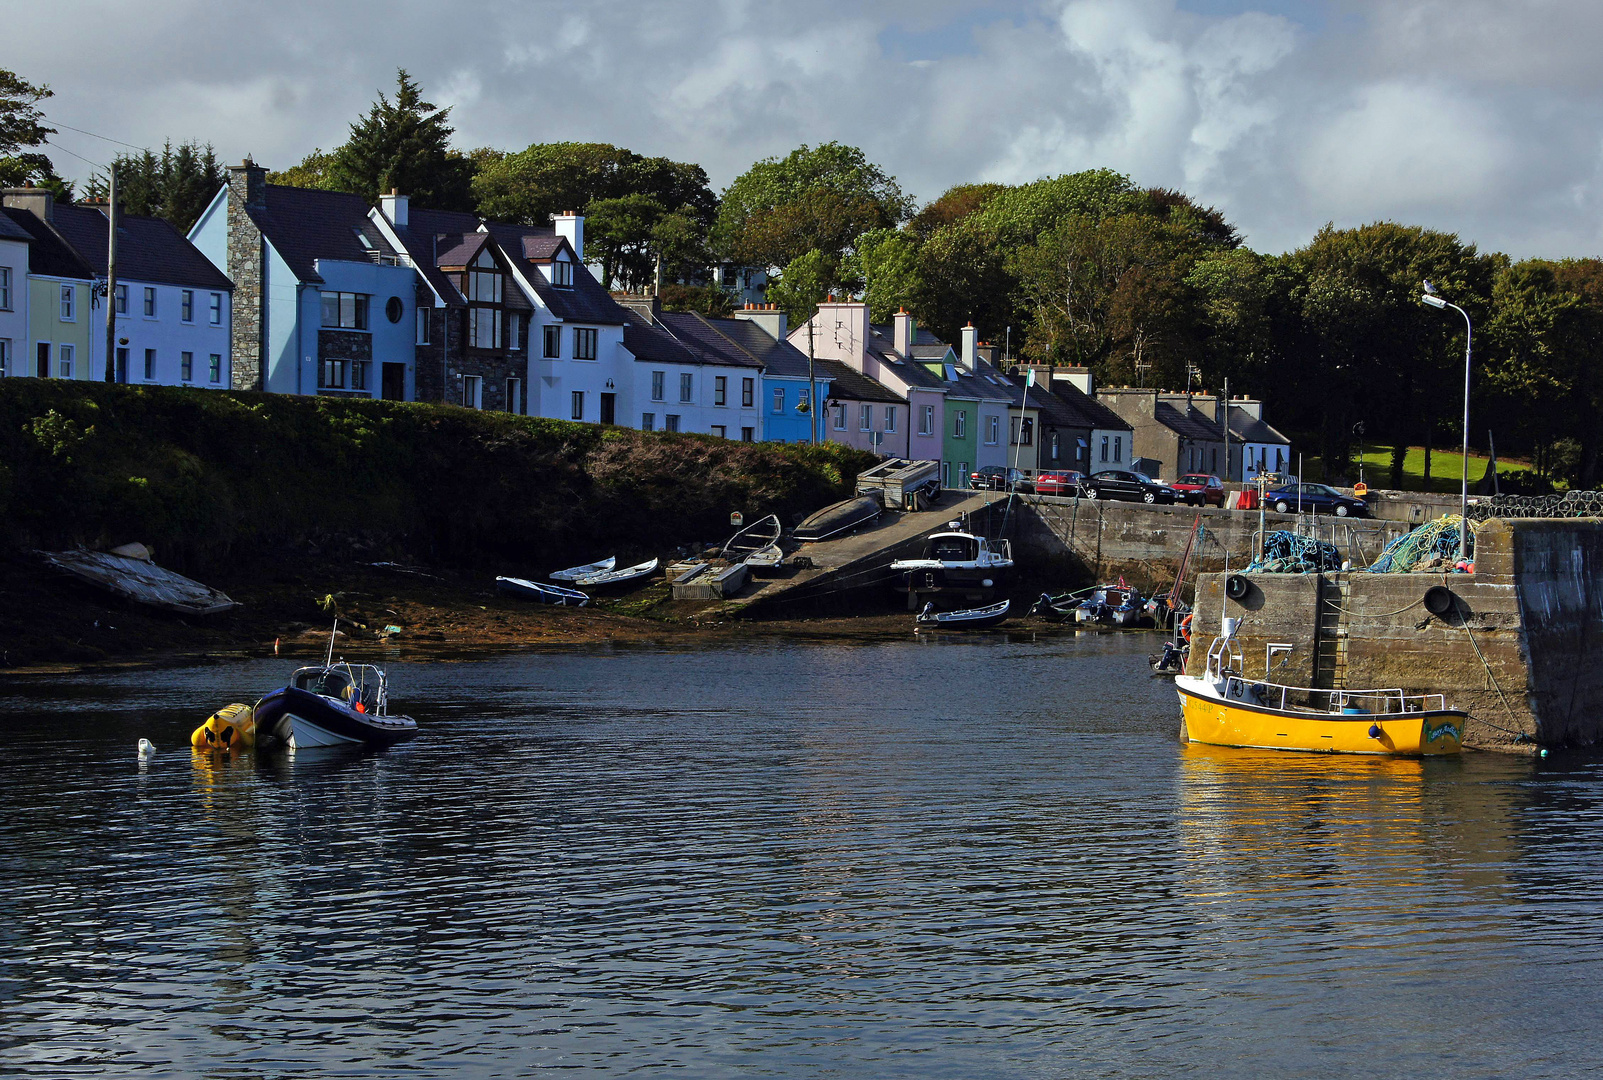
{"points": [[761, 330]]}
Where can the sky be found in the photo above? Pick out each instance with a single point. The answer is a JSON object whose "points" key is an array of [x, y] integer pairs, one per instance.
{"points": [[1478, 117]]}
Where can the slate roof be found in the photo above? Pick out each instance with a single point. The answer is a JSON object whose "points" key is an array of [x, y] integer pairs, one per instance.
{"points": [[975, 385], [148, 249], [305, 224], [48, 253], [1190, 424], [585, 302], [651, 344], [703, 337], [1244, 427], [459, 249], [1087, 411], [421, 238], [846, 384], [777, 357], [11, 231]]}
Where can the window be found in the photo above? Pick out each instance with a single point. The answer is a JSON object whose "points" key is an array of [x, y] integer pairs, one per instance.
{"points": [[473, 391], [1021, 431], [1054, 446], [217, 369], [686, 386], [330, 377], [150, 365], [514, 336], [584, 343], [926, 420], [122, 299], [186, 306], [993, 430], [720, 389], [345, 311], [553, 342], [562, 274], [721, 431], [422, 326], [5, 288], [748, 434], [1104, 448], [648, 421], [890, 418], [514, 398], [671, 422], [484, 280], [216, 309], [5, 357], [484, 327], [840, 417], [186, 368], [748, 393], [779, 400], [1118, 448], [865, 419], [68, 307], [960, 425], [394, 309], [150, 301], [578, 404], [804, 397], [65, 354], [657, 380], [358, 375]]}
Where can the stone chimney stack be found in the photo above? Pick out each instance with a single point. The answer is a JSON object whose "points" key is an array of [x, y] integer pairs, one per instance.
{"points": [[248, 181], [396, 207], [905, 330], [768, 316], [967, 354], [570, 226], [37, 201]]}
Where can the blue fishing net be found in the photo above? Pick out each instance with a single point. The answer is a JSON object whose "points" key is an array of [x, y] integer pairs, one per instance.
{"points": [[1287, 553]]}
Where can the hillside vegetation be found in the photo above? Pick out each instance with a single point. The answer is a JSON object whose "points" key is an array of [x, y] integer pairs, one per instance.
{"points": [[213, 478]]}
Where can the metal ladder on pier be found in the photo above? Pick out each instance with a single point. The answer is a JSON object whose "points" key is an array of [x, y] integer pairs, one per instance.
{"points": [[1330, 641]]}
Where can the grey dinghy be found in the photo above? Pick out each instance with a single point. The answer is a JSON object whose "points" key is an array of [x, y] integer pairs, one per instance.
{"points": [[524, 589], [970, 619], [574, 573], [610, 578]]}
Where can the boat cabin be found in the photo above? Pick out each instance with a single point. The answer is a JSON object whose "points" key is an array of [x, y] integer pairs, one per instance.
{"points": [[347, 684], [964, 548]]}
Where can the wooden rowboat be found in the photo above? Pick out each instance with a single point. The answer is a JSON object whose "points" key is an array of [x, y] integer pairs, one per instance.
{"points": [[524, 589], [607, 579], [574, 573], [970, 619], [840, 517], [754, 537]]}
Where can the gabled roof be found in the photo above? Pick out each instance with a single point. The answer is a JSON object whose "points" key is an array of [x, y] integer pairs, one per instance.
{"points": [[703, 337], [12, 231], [1189, 424], [1244, 427], [983, 384], [777, 357], [457, 250], [651, 344], [1086, 411], [148, 249], [305, 224], [848, 384], [541, 247], [585, 302], [48, 253], [421, 239]]}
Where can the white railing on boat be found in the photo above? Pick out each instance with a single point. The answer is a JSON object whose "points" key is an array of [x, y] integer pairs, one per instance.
{"points": [[1361, 702]]}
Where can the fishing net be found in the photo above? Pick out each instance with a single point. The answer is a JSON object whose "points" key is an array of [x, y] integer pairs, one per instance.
{"points": [[1433, 546], [1287, 553], [1570, 504]]}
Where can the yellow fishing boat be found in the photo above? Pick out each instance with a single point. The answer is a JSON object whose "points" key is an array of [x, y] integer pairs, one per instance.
{"points": [[1223, 707]]}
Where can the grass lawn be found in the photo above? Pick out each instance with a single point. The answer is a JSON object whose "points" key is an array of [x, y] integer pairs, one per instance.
{"points": [[1446, 473]]}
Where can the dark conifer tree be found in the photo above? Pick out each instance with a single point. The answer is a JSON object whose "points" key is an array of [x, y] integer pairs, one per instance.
{"points": [[403, 145]]}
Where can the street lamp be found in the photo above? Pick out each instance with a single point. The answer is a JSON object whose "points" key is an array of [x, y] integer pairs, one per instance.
{"points": [[1431, 299]]}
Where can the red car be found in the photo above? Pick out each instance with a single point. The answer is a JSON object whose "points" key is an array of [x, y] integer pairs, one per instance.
{"points": [[1199, 489], [1066, 484]]}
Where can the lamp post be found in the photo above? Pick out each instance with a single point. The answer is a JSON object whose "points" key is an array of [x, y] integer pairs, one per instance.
{"points": [[1431, 299]]}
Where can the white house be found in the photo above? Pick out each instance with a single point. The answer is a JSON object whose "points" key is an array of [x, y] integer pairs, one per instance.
{"points": [[14, 241], [60, 298]]}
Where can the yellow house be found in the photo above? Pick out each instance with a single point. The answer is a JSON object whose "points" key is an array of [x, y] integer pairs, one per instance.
{"points": [[61, 293]]}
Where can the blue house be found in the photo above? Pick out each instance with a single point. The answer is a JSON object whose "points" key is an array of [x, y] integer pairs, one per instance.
{"points": [[761, 330]]}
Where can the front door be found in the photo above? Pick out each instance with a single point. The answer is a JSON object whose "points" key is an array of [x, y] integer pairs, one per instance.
{"points": [[44, 360], [608, 402], [122, 365], [393, 385]]}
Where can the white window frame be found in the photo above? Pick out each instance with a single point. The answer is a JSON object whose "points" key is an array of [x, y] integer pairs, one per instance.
{"points": [[514, 395], [926, 420], [216, 316], [151, 309], [122, 299], [215, 369], [186, 366], [779, 400], [551, 342], [66, 355], [960, 424], [687, 387], [577, 411], [670, 422], [748, 393], [865, 418], [648, 421], [473, 391], [720, 389], [720, 430], [186, 306], [421, 336], [1118, 448], [562, 273], [69, 303], [890, 418], [584, 341], [993, 430], [5, 288], [150, 365], [514, 335], [840, 416], [748, 434]]}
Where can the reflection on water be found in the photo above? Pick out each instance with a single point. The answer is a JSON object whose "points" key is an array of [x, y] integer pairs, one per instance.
{"points": [[984, 859]]}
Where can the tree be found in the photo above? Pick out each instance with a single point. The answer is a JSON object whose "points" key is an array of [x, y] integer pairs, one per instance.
{"points": [[955, 204], [884, 266], [22, 127], [802, 284], [177, 186], [531, 185], [403, 145], [619, 232], [822, 199], [312, 172]]}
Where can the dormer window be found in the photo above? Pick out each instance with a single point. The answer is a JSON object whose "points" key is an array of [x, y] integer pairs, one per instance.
{"points": [[562, 274], [482, 285]]}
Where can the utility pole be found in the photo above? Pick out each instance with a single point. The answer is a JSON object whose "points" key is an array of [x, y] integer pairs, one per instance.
{"points": [[812, 385], [111, 276], [1226, 415]]}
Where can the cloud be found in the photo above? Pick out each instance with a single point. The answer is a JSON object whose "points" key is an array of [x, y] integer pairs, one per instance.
{"points": [[1482, 117]]}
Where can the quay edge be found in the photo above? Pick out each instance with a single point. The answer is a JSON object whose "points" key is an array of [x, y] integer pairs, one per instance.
{"points": [[1520, 647]]}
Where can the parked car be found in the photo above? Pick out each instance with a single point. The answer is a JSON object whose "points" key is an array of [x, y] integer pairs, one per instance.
{"points": [[999, 478], [1316, 498], [1066, 483], [1200, 489], [1122, 484]]}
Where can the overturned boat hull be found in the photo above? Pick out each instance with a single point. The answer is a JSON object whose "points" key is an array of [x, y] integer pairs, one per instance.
{"points": [[838, 518]]}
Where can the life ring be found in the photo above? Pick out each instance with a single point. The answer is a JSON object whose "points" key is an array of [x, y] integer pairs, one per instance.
{"points": [[1185, 629]]}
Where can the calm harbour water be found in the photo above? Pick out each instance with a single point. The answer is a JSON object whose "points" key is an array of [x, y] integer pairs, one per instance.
{"points": [[934, 859]]}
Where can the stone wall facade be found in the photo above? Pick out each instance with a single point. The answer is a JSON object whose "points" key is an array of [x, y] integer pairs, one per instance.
{"points": [[247, 185]]}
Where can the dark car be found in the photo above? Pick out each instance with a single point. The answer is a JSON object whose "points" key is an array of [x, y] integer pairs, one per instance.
{"points": [[998, 478], [1315, 499], [1122, 484], [1200, 489], [1066, 483]]}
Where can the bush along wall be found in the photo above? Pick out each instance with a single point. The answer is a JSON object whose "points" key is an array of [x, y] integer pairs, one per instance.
{"points": [[209, 476]]}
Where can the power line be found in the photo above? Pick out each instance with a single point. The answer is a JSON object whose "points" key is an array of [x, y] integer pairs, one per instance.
{"points": [[92, 135], [80, 157]]}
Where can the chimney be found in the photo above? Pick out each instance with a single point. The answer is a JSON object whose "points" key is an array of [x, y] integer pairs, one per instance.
{"points": [[37, 201], [905, 330], [1251, 406], [570, 226], [1078, 377], [767, 316], [650, 307], [395, 206], [248, 181], [971, 338]]}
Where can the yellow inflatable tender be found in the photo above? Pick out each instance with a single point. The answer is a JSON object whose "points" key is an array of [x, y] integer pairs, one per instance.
{"points": [[232, 727]]}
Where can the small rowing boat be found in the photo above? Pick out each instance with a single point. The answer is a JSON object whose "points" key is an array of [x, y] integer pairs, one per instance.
{"points": [[840, 517], [761, 533], [609, 579], [524, 589], [574, 573], [969, 619]]}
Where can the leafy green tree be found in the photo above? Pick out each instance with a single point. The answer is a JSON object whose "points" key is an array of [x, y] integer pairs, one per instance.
{"points": [[955, 204], [528, 187], [22, 128], [709, 300], [814, 199], [884, 266], [403, 145], [311, 172], [176, 185], [803, 285], [619, 232]]}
